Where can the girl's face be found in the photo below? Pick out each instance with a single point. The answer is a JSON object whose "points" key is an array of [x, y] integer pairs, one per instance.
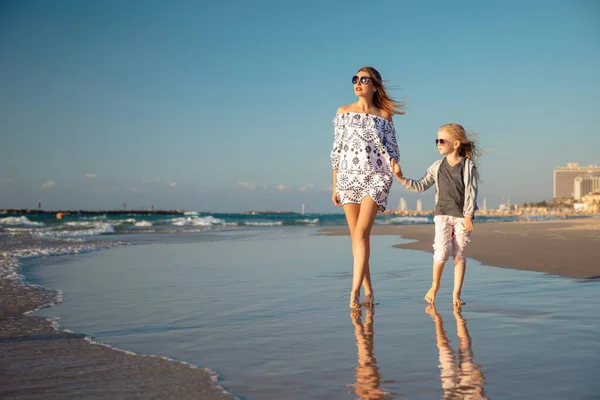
{"points": [[446, 144], [363, 84]]}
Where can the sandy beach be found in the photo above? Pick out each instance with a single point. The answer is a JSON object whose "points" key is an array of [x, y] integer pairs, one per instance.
{"points": [[563, 247], [39, 361]]}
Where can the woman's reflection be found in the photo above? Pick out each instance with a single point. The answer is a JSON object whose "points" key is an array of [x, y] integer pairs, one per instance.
{"points": [[367, 373], [462, 380]]}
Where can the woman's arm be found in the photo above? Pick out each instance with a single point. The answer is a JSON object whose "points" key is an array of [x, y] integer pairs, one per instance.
{"points": [[335, 156], [391, 144], [334, 196]]}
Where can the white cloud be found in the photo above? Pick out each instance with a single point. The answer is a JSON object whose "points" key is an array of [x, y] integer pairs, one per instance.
{"points": [[48, 184], [306, 188], [172, 184], [5, 180], [245, 185], [91, 176]]}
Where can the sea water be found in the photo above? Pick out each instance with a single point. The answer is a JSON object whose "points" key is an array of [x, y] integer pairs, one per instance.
{"points": [[267, 309]]}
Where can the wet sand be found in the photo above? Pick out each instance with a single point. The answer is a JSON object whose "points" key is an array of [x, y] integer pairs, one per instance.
{"points": [[39, 361], [563, 247]]}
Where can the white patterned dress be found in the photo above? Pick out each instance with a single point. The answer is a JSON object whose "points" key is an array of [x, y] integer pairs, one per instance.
{"points": [[362, 149]]}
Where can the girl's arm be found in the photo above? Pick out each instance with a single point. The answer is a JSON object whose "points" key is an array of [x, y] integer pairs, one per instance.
{"points": [[422, 184], [471, 181]]}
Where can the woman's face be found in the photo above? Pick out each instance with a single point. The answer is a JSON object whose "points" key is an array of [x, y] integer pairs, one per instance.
{"points": [[363, 86]]}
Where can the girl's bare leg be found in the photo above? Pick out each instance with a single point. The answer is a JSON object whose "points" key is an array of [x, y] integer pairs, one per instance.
{"points": [[438, 269], [441, 246], [459, 276], [460, 241]]}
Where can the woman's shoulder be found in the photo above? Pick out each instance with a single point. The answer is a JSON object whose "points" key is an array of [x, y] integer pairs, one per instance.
{"points": [[344, 109], [351, 109], [385, 115]]}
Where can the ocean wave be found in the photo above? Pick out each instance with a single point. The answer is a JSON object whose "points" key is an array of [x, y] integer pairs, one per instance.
{"points": [[209, 220], [10, 259], [98, 217], [19, 221], [142, 223], [403, 221], [260, 223], [307, 221], [126, 221], [93, 228]]}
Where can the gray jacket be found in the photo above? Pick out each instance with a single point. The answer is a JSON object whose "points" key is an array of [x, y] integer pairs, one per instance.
{"points": [[471, 177]]}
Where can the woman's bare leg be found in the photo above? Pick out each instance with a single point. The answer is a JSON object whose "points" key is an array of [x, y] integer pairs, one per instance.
{"points": [[360, 221]]}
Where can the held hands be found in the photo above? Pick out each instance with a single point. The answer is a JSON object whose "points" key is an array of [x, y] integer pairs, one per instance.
{"points": [[468, 224], [397, 171]]}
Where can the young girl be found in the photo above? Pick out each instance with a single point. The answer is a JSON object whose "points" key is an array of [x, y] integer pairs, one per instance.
{"points": [[365, 151], [455, 177]]}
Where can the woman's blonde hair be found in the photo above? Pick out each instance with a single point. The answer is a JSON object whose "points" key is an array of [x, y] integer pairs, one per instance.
{"points": [[468, 148], [381, 98]]}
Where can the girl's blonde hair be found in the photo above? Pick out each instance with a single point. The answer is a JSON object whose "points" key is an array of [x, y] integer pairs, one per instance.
{"points": [[381, 98], [468, 148]]}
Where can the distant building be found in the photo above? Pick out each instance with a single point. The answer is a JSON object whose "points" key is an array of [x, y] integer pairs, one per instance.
{"points": [[564, 179], [585, 185], [402, 206], [591, 202], [419, 205], [484, 205]]}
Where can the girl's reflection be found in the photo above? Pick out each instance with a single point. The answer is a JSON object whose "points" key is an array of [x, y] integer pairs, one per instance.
{"points": [[462, 380], [367, 373]]}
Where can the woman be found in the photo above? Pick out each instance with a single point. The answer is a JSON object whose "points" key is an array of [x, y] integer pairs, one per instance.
{"points": [[364, 155]]}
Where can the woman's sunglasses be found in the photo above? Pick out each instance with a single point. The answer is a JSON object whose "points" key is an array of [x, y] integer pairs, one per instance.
{"points": [[443, 142], [363, 79]]}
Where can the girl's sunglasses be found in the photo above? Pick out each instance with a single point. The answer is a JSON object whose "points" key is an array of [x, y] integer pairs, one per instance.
{"points": [[442, 142], [363, 79]]}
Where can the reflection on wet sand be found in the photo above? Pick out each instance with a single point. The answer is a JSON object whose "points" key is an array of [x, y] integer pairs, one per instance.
{"points": [[462, 380], [367, 375]]}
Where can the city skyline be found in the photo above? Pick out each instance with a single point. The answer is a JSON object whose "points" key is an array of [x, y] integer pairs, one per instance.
{"points": [[575, 181], [111, 103]]}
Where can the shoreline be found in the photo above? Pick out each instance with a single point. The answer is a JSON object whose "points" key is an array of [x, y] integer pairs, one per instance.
{"points": [[39, 359], [28, 211], [558, 247]]}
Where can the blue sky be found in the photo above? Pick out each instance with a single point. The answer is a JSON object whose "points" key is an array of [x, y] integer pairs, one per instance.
{"points": [[227, 105]]}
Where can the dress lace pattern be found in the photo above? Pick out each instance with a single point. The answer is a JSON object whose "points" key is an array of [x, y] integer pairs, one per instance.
{"points": [[362, 149]]}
